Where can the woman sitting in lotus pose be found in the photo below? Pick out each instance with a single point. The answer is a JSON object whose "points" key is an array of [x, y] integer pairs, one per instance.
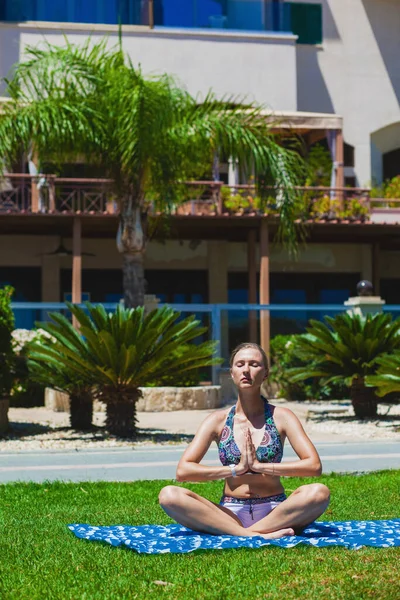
{"points": [[250, 438]]}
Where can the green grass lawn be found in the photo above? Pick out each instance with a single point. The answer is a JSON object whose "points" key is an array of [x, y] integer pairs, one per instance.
{"points": [[40, 558]]}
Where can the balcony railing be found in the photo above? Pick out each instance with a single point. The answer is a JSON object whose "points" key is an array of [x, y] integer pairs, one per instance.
{"points": [[48, 194]]}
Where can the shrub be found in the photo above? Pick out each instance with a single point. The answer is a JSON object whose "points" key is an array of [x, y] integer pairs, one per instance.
{"points": [[25, 391], [319, 166], [7, 360], [285, 357]]}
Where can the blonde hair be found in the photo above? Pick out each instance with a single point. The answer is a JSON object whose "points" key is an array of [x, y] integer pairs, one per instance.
{"points": [[249, 345]]}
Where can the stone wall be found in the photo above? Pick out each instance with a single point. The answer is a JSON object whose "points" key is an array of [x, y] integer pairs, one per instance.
{"points": [[156, 399]]}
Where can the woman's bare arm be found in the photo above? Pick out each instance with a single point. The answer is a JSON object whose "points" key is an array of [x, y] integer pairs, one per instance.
{"points": [[189, 468], [309, 464]]}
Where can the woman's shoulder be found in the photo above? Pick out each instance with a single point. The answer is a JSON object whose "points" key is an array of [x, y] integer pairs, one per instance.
{"points": [[281, 412], [214, 423], [217, 418]]}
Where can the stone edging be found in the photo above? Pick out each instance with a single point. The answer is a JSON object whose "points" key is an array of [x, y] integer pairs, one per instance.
{"points": [[156, 399]]}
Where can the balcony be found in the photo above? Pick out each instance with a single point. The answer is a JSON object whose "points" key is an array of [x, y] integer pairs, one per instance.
{"points": [[22, 194]]}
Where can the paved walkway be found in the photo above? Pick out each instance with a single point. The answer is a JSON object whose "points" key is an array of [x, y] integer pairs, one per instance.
{"points": [[159, 462], [43, 447]]}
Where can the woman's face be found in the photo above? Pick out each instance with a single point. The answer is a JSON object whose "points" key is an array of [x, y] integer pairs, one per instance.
{"points": [[248, 370]]}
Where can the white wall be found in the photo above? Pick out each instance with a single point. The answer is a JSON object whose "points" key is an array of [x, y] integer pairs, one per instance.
{"points": [[259, 66], [355, 73]]}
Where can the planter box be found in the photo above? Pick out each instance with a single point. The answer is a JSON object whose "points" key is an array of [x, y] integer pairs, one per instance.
{"points": [[156, 399], [160, 399], [55, 400], [4, 423]]}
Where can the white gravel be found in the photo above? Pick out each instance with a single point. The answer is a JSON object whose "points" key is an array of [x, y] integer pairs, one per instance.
{"points": [[40, 428]]}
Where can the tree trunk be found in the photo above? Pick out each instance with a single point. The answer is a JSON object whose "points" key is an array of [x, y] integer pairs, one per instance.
{"points": [[121, 412], [133, 280], [363, 398], [4, 405], [131, 242], [81, 411]]}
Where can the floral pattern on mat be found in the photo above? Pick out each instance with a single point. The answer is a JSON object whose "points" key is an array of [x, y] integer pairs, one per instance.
{"points": [[157, 539]]}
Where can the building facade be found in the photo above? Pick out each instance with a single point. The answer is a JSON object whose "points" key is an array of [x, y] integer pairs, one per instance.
{"points": [[325, 56], [329, 56]]}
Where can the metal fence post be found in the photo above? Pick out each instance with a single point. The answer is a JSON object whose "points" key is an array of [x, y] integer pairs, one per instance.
{"points": [[216, 336]]}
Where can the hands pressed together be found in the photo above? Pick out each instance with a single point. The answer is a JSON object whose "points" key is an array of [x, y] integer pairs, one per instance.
{"points": [[249, 461]]}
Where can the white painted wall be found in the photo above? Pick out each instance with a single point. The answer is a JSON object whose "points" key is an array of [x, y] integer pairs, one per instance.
{"points": [[260, 66], [356, 74]]}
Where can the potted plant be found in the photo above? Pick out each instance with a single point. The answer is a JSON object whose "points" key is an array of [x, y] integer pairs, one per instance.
{"points": [[346, 349]]}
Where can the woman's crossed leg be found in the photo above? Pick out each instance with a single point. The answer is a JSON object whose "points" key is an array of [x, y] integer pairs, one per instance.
{"points": [[195, 512]]}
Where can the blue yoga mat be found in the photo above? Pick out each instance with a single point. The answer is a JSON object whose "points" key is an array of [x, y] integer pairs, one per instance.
{"points": [[156, 539]]}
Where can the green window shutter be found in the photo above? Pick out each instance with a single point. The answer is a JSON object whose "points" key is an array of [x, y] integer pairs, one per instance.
{"points": [[306, 22]]}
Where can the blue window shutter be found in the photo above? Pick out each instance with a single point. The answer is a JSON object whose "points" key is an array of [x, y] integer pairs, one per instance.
{"points": [[306, 22]]}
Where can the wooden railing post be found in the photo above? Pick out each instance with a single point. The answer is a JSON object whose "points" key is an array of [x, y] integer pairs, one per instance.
{"points": [[52, 193], [34, 194], [151, 14], [220, 203]]}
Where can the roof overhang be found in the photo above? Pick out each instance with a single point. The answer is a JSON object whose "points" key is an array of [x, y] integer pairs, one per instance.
{"points": [[304, 121], [283, 119]]}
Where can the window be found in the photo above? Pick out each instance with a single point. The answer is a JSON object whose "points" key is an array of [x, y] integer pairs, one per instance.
{"points": [[391, 164], [348, 155], [350, 181], [306, 22], [75, 11]]}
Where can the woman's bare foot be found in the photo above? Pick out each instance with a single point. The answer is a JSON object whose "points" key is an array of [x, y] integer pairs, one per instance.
{"points": [[277, 534]]}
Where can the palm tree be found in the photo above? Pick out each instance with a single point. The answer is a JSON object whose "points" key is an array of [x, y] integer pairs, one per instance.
{"points": [[347, 349], [147, 134], [115, 354]]}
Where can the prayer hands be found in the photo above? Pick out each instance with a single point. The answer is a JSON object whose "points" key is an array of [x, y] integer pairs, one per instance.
{"points": [[249, 460], [253, 461]]}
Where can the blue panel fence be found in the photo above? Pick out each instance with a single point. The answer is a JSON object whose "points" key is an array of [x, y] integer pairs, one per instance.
{"points": [[228, 324]]}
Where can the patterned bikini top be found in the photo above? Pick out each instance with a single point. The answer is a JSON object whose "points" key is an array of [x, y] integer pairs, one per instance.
{"points": [[269, 450]]}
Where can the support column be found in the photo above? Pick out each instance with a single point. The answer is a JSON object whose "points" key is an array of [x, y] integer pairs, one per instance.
{"points": [[376, 269], [151, 14], [76, 264], [33, 161], [233, 173], [367, 262], [252, 274], [50, 279], [339, 162], [218, 286], [264, 286]]}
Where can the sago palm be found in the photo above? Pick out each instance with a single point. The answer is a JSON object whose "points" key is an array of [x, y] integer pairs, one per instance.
{"points": [[57, 375], [117, 353], [146, 133], [387, 378], [347, 349]]}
